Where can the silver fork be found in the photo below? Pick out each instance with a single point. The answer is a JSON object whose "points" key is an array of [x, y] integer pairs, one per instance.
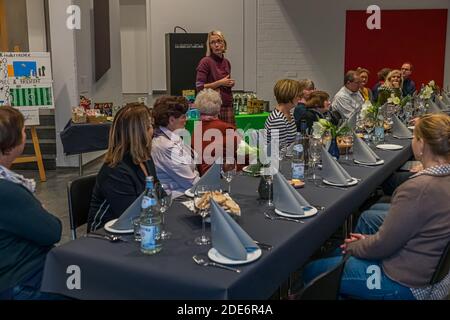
{"points": [[200, 261], [270, 217]]}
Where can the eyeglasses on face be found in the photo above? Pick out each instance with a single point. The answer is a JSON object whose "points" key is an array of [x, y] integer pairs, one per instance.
{"points": [[214, 42]]}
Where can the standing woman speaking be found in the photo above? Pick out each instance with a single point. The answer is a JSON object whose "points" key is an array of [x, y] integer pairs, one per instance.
{"points": [[214, 72]]}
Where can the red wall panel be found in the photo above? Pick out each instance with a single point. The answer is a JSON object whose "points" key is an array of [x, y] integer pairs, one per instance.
{"points": [[417, 36]]}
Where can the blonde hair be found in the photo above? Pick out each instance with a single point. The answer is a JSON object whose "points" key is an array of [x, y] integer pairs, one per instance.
{"points": [[388, 82], [286, 90], [306, 84], [208, 102], [129, 134], [434, 129], [221, 37]]}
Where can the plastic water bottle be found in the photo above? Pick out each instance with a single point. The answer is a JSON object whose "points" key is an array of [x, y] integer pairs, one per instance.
{"points": [[150, 230], [298, 159]]}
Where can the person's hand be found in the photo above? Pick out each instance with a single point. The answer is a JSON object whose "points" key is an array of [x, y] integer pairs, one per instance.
{"points": [[227, 82], [416, 168], [353, 237]]}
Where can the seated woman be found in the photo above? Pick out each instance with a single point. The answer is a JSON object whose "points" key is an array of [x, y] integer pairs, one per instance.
{"points": [[382, 74], [280, 122], [407, 243], [208, 102], [27, 230], [306, 88], [121, 179], [365, 92], [392, 86], [174, 161], [317, 107]]}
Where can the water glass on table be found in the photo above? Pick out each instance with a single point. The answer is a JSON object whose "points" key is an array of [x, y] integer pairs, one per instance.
{"points": [[165, 201], [136, 222], [229, 171], [267, 174], [315, 151], [199, 192]]}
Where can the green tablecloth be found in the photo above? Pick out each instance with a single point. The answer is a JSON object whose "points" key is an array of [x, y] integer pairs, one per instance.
{"points": [[243, 121]]}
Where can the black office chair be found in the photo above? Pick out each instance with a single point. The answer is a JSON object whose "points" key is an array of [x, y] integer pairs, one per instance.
{"points": [[79, 192], [325, 286], [443, 267]]}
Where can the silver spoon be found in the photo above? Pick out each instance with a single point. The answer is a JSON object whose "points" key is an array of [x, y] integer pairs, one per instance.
{"points": [[200, 261]]}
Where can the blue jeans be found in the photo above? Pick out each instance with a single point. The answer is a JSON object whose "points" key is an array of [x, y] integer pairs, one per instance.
{"points": [[357, 280], [371, 220], [29, 290]]}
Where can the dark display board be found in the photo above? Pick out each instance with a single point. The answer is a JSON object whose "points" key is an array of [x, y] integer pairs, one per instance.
{"points": [[102, 37], [183, 53]]}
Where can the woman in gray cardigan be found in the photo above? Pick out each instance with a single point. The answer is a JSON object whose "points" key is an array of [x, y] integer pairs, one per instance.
{"points": [[397, 258]]}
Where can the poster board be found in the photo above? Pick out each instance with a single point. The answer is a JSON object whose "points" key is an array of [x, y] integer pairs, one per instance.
{"points": [[26, 83]]}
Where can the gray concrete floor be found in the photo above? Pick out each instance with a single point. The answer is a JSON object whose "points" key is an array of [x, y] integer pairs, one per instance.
{"points": [[53, 193]]}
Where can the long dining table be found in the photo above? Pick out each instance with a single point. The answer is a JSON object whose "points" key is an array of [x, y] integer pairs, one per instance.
{"points": [[119, 270]]}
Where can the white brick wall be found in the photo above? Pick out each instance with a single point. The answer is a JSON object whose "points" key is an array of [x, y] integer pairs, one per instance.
{"points": [[279, 54]]}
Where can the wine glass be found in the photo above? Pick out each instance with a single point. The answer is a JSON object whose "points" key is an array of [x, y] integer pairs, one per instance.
{"points": [[199, 192], [315, 151], [348, 142], [369, 126], [165, 201], [229, 171], [267, 174]]}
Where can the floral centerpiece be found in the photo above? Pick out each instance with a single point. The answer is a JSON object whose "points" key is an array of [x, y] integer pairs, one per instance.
{"points": [[323, 126], [246, 150], [428, 91]]}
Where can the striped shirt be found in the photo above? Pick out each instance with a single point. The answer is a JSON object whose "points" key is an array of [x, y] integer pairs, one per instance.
{"points": [[278, 125]]}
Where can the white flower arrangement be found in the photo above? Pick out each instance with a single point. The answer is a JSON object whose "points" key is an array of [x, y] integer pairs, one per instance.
{"points": [[428, 90], [394, 100]]}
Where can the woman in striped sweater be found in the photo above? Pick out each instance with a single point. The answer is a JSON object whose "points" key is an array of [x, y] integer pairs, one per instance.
{"points": [[280, 122]]}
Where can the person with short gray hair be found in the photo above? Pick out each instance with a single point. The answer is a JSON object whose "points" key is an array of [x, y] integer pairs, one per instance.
{"points": [[348, 99], [208, 102]]}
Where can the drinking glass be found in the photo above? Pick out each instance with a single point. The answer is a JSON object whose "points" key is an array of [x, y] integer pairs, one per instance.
{"points": [[348, 143], [165, 201], [315, 151], [267, 174], [199, 192], [229, 171], [369, 126]]}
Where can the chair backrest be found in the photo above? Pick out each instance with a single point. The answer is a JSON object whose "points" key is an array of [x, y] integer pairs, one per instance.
{"points": [[79, 192], [326, 286], [443, 267]]}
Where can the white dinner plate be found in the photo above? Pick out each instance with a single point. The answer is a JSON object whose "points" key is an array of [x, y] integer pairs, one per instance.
{"points": [[389, 147], [378, 163], [308, 213], [351, 183], [109, 228], [215, 256], [189, 193]]}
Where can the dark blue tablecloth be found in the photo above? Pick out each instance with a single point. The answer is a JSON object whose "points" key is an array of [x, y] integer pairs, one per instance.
{"points": [[120, 271], [86, 137]]}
